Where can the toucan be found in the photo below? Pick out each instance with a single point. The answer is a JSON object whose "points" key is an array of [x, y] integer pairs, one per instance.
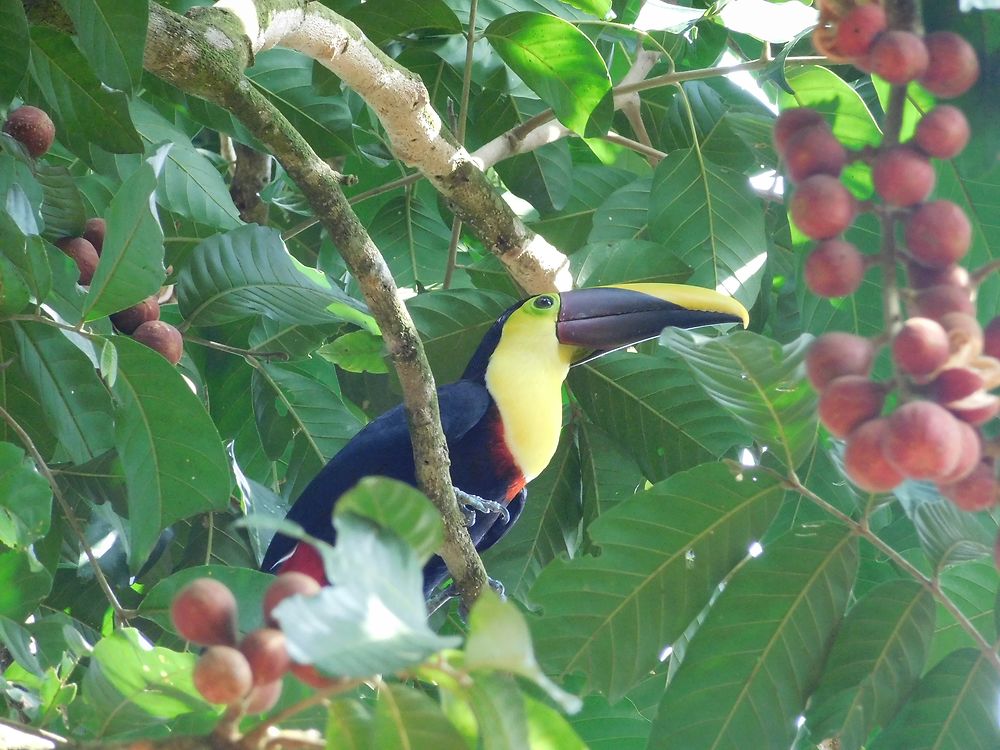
{"points": [[502, 419]]}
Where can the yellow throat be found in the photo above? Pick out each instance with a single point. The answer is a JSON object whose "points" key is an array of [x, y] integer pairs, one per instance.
{"points": [[525, 376]]}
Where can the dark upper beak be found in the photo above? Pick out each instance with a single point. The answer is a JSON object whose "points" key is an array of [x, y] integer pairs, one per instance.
{"points": [[602, 319]]}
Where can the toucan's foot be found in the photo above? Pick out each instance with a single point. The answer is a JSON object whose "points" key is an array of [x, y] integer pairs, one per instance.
{"points": [[472, 503], [497, 587]]}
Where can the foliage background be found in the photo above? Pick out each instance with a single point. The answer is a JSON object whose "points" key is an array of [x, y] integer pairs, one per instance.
{"points": [[870, 619]]}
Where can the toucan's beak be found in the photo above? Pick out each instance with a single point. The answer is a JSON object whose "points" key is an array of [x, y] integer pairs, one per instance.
{"points": [[605, 318]]}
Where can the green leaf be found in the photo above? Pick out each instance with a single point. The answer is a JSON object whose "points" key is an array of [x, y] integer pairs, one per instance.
{"points": [[627, 261], [348, 725], [248, 271], [556, 60], [74, 402], [406, 719], [543, 177], [609, 475], [85, 114], [14, 290], [62, 207], [947, 535], [954, 707], [634, 397], [382, 20], [972, 587], [451, 324], [25, 499], [710, 218], [748, 671], [113, 36], [611, 727], [188, 184], [598, 8], [499, 639], [624, 215], [592, 185], [286, 78], [132, 685], [398, 507], [175, 465], [548, 527], [876, 659], [131, 266], [413, 239], [246, 584], [372, 620], [305, 399], [497, 703], [14, 48], [24, 583], [358, 351], [758, 381], [549, 728], [605, 615]]}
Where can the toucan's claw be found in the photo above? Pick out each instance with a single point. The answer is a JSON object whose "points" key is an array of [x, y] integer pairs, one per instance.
{"points": [[471, 503], [497, 587]]}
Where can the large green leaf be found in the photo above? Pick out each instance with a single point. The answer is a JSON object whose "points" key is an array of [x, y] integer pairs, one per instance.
{"points": [[624, 215], [381, 20], [548, 527], [24, 582], [875, 661], [609, 475], [414, 241], [131, 266], [748, 671], [758, 381], [85, 113], [611, 727], [556, 60], [14, 47], [75, 404], [710, 218], [175, 465], [592, 185], [113, 36], [62, 207], [407, 719], [373, 619], [451, 324], [656, 411], [972, 587], [286, 78], [248, 271], [307, 400], [947, 534], [954, 707], [132, 685], [25, 499], [627, 261], [662, 554], [543, 177]]}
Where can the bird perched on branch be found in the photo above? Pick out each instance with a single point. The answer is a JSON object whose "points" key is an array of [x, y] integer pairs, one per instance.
{"points": [[502, 419]]}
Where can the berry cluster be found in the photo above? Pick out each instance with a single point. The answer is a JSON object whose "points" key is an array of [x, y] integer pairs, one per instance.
{"points": [[945, 363], [232, 671], [33, 129]]}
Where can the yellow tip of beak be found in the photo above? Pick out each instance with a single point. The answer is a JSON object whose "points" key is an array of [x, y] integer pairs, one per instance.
{"points": [[692, 298]]}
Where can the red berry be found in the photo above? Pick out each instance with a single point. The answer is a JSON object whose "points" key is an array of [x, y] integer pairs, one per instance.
{"points": [[834, 268], [162, 337], [222, 675], [897, 56], [864, 460], [814, 150], [977, 491], [822, 207], [943, 132], [858, 29], [977, 409], [83, 253], [790, 122], [130, 318], [969, 453], [835, 354], [94, 231], [938, 234], [848, 401], [204, 612], [902, 177], [922, 277], [922, 440], [32, 127], [937, 301], [267, 653], [920, 347], [953, 67], [263, 698], [308, 674], [954, 384], [284, 586]]}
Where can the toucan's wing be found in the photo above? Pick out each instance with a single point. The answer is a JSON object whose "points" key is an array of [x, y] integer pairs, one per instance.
{"points": [[382, 448]]}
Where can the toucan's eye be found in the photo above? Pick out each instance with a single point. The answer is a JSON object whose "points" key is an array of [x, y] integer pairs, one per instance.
{"points": [[544, 302]]}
